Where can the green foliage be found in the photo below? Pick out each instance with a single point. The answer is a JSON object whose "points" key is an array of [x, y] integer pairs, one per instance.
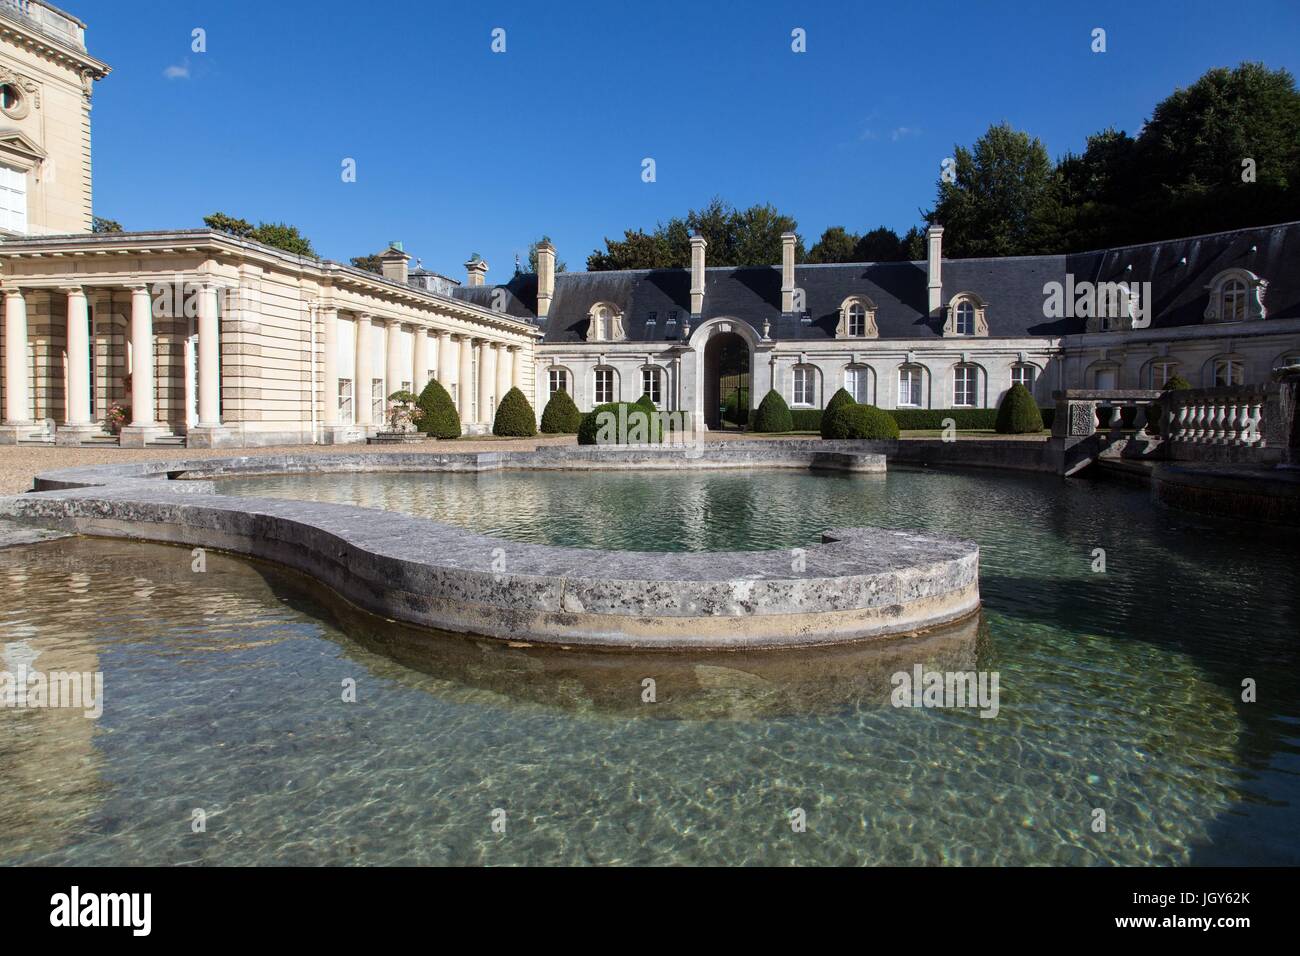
{"points": [[749, 237], [532, 257], [806, 419], [100, 224], [561, 415], [369, 263], [868, 422], [438, 416], [619, 423], [881, 244], [277, 234], [1018, 414], [736, 408], [931, 419], [515, 417], [645, 401], [1177, 384], [773, 414], [834, 423]]}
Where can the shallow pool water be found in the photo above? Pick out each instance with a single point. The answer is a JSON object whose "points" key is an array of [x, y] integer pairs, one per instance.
{"points": [[1120, 691]]}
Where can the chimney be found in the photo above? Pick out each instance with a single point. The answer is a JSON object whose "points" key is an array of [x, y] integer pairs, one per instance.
{"points": [[476, 271], [393, 262], [698, 245], [788, 240], [545, 277], [934, 266]]}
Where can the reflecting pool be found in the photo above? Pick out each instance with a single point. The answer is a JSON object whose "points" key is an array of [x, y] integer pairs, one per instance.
{"points": [[224, 689]]}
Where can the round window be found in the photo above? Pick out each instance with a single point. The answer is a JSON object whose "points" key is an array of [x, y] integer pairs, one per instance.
{"points": [[12, 101]]}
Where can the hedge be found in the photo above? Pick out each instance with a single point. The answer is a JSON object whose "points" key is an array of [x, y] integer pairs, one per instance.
{"points": [[917, 419], [835, 423], [561, 416], [1018, 414], [640, 424], [773, 414], [438, 416], [806, 419], [736, 407], [867, 421], [515, 416]]}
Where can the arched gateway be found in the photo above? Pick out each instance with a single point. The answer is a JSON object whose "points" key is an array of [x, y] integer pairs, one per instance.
{"points": [[726, 360]]}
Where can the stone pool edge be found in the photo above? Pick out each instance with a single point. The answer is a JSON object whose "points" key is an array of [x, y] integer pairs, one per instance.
{"points": [[858, 584]]}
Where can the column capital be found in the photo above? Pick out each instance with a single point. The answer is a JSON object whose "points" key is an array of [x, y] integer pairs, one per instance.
{"points": [[138, 287], [73, 290], [13, 291]]}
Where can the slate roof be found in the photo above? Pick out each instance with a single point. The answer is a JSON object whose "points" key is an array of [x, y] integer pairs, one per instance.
{"points": [[1012, 289]]}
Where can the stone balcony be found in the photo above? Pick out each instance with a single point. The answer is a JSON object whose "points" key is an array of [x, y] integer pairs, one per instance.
{"points": [[47, 20]]}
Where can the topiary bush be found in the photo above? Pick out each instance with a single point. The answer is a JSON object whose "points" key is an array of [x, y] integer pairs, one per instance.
{"points": [[867, 421], [561, 416], [1018, 414], [438, 416], [646, 402], [773, 414], [833, 423], [632, 423], [515, 416]]}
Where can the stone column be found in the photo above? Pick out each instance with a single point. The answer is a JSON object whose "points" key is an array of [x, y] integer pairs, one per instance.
{"points": [[465, 382], [487, 373], [446, 369], [365, 370], [209, 358], [142, 351], [503, 360], [17, 393], [420, 360], [329, 317], [392, 359], [78, 397], [516, 367]]}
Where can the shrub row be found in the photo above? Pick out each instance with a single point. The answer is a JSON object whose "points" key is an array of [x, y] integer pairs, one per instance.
{"points": [[908, 419], [632, 423]]}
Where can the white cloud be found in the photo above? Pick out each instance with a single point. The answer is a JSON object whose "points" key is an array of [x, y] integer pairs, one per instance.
{"points": [[902, 132], [180, 71]]}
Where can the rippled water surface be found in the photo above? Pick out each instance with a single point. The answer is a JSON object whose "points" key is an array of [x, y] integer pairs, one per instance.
{"points": [[1120, 691]]}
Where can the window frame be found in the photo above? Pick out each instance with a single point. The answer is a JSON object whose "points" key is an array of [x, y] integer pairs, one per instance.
{"points": [[915, 376], [611, 386], [965, 378]]}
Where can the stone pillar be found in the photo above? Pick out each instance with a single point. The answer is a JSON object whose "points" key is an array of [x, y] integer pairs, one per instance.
{"points": [[545, 279], [788, 240], [446, 366], [698, 245], [209, 358], [365, 370], [934, 267], [475, 273], [17, 389], [144, 424], [503, 357], [420, 360], [329, 318], [392, 359], [77, 401], [487, 371], [465, 381], [516, 367]]}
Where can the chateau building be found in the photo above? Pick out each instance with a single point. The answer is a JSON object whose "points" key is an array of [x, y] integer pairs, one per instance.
{"points": [[199, 337]]}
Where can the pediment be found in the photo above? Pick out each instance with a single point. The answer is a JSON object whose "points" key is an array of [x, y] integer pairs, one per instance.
{"points": [[14, 141]]}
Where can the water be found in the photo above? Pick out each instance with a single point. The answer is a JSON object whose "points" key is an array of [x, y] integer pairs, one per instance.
{"points": [[1119, 691]]}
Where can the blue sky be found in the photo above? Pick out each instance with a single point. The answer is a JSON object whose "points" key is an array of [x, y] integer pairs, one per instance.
{"points": [[460, 150]]}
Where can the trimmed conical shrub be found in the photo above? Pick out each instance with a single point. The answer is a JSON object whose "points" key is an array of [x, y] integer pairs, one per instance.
{"points": [[773, 414], [834, 424], [561, 416], [868, 421], [515, 416], [1018, 414], [438, 416], [646, 402], [620, 423]]}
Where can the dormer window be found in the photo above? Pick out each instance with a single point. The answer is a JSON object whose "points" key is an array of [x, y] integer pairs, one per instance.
{"points": [[605, 324], [966, 316], [1236, 295], [857, 319]]}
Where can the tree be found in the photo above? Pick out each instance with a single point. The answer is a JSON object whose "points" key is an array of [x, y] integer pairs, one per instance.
{"points": [[749, 237], [515, 416], [561, 416], [773, 414], [835, 245], [1003, 194], [532, 256], [369, 263], [276, 234], [879, 245], [438, 415], [101, 224]]}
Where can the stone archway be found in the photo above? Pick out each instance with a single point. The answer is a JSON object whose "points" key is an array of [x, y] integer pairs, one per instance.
{"points": [[726, 376]]}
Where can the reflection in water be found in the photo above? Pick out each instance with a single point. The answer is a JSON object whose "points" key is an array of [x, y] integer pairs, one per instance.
{"points": [[1119, 691]]}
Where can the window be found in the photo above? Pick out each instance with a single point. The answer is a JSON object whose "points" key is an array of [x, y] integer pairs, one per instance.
{"points": [[650, 385], [12, 102], [1228, 372], [455, 394], [557, 380], [406, 386], [13, 199], [1023, 375], [857, 382], [1233, 301], [1105, 378], [346, 416], [963, 386], [672, 317], [1160, 373], [805, 385], [601, 320], [965, 318], [909, 387], [857, 320], [604, 385], [377, 400]]}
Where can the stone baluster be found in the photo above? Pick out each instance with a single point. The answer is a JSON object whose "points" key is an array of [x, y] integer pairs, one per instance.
{"points": [[1116, 417], [1219, 412], [1243, 423], [1180, 427], [1257, 424]]}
